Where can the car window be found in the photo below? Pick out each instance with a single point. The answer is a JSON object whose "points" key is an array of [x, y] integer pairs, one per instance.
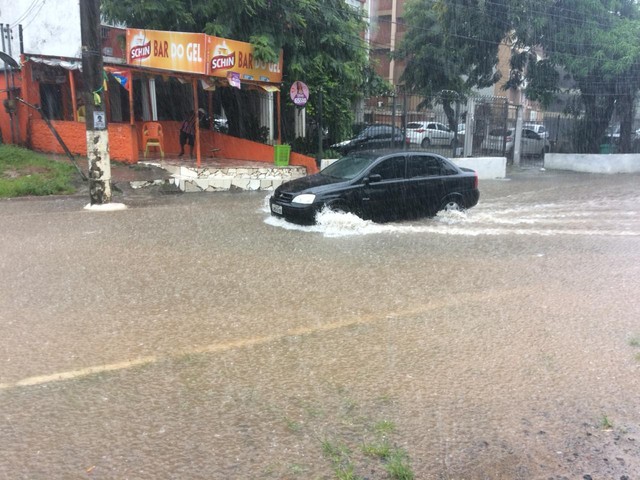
{"points": [[366, 133], [384, 132], [390, 169], [414, 125], [349, 167], [423, 166], [442, 127], [446, 168], [374, 132]]}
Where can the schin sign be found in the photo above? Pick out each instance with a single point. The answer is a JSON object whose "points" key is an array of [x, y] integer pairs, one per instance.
{"points": [[199, 53]]}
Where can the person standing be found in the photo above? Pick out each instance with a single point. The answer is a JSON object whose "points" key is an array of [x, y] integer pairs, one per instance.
{"points": [[188, 132]]}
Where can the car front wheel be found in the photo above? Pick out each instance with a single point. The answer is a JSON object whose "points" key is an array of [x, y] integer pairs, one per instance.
{"points": [[452, 205], [425, 143]]}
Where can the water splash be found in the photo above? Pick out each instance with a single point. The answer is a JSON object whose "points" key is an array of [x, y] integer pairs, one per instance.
{"points": [[489, 219]]}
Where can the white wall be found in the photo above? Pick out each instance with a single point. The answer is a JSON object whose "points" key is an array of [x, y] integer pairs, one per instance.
{"points": [[593, 163], [50, 27], [487, 167]]}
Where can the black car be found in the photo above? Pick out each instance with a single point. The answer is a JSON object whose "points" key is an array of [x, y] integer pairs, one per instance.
{"points": [[372, 137], [379, 186]]}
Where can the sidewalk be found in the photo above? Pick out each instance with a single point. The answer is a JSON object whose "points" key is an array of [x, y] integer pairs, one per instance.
{"points": [[175, 175]]}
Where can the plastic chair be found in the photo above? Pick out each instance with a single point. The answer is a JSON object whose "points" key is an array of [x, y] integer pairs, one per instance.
{"points": [[152, 137]]}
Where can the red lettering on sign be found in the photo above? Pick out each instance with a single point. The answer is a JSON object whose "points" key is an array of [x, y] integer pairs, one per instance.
{"points": [[160, 49]]}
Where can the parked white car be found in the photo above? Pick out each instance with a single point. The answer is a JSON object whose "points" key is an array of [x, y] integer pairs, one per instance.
{"points": [[498, 139], [429, 133]]}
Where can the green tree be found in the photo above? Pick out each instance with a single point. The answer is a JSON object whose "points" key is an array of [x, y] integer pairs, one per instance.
{"points": [[590, 45], [321, 41], [451, 46], [593, 43]]}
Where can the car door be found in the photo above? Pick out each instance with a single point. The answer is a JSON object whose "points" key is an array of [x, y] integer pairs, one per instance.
{"points": [[424, 187], [383, 192], [531, 142], [444, 134], [431, 132]]}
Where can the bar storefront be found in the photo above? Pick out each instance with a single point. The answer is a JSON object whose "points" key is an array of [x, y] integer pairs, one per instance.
{"points": [[158, 77]]}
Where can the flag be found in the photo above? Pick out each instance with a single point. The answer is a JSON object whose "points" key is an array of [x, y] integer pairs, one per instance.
{"points": [[122, 76], [234, 79]]}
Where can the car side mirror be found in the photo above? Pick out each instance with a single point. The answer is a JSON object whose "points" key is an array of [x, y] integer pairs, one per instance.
{"points": [[373, 178]]}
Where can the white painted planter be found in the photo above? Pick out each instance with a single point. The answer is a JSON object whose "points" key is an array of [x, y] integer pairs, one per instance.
{"points": [[593, 163], [487, 167]]}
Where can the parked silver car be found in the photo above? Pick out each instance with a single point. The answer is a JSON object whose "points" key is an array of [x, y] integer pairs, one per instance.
{"points": [[429, 133], [500, 140], [538, 128]]}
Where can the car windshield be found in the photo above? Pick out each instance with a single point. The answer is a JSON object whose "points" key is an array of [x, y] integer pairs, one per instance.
{"points": [[349, 167]]}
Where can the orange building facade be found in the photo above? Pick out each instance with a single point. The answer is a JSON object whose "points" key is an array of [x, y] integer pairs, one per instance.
{"points": [[54, 85]]}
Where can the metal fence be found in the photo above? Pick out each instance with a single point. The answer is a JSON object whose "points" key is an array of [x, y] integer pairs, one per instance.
{"points": [[443, 128]]}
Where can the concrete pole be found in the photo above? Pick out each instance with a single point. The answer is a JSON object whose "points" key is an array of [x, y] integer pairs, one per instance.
{"points": [[517, 136], [469, 127], [392, 46], [96, 118]]}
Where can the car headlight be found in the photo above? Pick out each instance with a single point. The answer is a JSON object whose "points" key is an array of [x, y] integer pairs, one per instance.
{"points": [[304, 199]]}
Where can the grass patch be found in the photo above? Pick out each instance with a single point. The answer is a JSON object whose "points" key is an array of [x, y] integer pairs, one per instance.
{"points": [[26, 173], [398, 466], [381, 450], [638, 357], [379, 455], [292, 425], [336, 452], [605, 423], [385, 427], [634, 341], [340, 456]]}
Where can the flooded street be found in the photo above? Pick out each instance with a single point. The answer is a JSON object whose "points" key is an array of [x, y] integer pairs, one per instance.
{"points": [[193, 336]]}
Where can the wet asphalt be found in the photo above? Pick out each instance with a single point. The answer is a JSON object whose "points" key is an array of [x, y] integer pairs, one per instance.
{"points": [[193, 336]]}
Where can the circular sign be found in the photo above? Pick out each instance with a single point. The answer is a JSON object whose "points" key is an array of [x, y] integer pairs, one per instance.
{"points": [[299, 93]]}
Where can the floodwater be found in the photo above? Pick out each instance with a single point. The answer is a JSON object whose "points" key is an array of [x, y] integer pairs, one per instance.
{"points": [[194, 336]]}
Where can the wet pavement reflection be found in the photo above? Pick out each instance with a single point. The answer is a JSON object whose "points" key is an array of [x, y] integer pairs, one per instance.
{"points": [[194, 336]]}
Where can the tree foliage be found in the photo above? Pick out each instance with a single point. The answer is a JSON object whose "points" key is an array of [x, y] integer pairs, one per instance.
{"points": [[321, 41], [451, 46], [593, 43], [588, 46]]}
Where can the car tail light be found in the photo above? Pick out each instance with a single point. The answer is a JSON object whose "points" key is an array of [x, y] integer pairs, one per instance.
{"points": [[420, 130], [475, 181], [509, 138]]}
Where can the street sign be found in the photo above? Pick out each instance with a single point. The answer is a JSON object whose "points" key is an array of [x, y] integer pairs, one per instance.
{"points": [[299, 93]]}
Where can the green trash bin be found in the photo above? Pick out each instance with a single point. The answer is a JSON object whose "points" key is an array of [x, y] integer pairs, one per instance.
{"points": [[281, 155], [607, 148]]}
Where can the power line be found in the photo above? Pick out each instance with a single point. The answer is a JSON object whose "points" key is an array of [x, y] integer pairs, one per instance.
{"points": [[26, 13]]}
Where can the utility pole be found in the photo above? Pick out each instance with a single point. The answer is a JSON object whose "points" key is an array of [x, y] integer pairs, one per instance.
{"points": [[320, 129], [94, 100]]}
